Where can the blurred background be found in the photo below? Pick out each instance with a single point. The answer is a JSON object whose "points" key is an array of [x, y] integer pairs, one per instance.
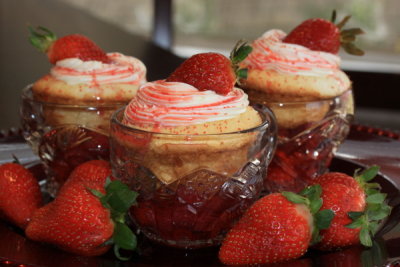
{"points": [[187, 27], [209, 25]]}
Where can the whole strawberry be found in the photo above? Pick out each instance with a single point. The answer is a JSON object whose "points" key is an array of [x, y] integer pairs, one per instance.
{"points": [[278, 227], [358, 207], [212, 71], [88, 213], [69, 46], [20, 194], [323, 35]]}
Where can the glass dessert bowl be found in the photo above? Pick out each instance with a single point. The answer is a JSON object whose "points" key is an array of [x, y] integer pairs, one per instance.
{"points": [[309, 133], [312, 101], [66, 113], [65, 135], [193, 180]]}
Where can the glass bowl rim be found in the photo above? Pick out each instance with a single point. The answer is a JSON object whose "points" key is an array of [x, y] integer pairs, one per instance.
{"points": [[269, 122], [28, 89], [305, 102]]}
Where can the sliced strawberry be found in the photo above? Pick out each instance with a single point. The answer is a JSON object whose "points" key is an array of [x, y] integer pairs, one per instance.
{"points": [[20, 194], [70, 46], [322, 35], [212, 71]]}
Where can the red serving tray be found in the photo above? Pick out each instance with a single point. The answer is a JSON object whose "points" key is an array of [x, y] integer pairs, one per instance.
{"points": [[16, 250]]}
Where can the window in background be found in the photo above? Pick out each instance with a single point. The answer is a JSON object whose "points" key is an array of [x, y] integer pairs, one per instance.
{"points": [[135, 16], [216, 25], [209, 25]]}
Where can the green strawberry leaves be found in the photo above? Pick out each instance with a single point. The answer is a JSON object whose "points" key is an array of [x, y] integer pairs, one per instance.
{"points": [[124, 238], [376, 198], [368, 220], [118, 199], [348, 36], [238, 54], [311, 197], [313, 193], [324, 218], [41, 38], [376, 209], [366, 175], [295, 198]]}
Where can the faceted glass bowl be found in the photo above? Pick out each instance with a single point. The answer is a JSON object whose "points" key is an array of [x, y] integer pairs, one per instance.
{"points": [[309, 133], [64, 136], [191, 188]]}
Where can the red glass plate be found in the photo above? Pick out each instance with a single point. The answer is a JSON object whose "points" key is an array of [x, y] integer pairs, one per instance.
{"points": [[16, 250]]}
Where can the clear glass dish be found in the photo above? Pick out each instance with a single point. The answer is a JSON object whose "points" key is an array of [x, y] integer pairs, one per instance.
{"points": [[191, 188], [309, 133], [64, 136]]}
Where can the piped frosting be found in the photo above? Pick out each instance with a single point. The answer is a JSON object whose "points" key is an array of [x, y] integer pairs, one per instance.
{"points": [[162, 103]]}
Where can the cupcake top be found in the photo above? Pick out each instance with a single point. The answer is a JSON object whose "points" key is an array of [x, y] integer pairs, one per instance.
{"points": [[175, 103], [176, 107], [82, 73], [74, 81], [269, 52], [199, 97], [292, 72], [303, 65], [121, 69]]}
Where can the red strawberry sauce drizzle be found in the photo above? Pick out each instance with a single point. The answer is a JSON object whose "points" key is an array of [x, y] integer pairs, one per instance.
{"points": [[121, 69], [162, 102], [269, 52]]}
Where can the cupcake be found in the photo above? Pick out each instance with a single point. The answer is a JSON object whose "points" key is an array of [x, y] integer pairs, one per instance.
{"points": [[177, 110], [84, 75], [285, 72], [194, 149]]}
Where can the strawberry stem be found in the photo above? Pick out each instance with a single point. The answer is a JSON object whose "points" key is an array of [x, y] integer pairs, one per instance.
{"points": [[15, 159], [333, 16]]}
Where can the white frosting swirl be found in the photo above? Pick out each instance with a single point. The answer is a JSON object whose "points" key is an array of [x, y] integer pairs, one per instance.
{"points": [[269, 52], [122, 69], [174, 104]]}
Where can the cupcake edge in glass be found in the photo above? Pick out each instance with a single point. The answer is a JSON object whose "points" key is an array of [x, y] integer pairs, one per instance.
{"points": [[195, 163]]}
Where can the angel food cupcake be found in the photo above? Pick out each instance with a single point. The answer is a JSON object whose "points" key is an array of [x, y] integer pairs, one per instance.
{"points": [[299, 77], [75, 82], [66, 113], [178, 110], [195, 156]]}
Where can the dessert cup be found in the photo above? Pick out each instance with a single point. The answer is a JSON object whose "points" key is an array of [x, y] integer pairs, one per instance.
{"points": [[65, 135], [192, 187], [309, 133], [312, 100]]}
